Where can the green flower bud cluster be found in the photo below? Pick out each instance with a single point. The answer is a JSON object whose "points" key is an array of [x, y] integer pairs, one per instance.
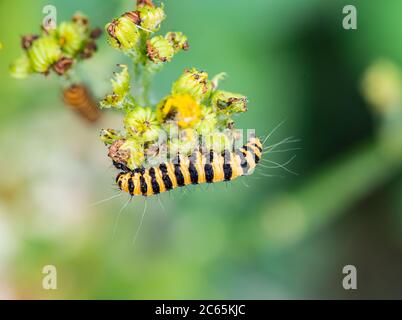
{"points": [[123, 33], [135, 152], [194, 115], [151, 17], [195, 111], [141, 123], [56, 49], [217, 107], [132, 34]]}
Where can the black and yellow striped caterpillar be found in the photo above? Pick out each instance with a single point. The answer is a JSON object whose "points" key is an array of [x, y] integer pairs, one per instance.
{"points": [[78, 98], [195, 169]]}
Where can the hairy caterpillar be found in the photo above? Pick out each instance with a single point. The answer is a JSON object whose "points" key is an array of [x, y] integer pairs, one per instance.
{"points": [[80, 99], [195, 169]]}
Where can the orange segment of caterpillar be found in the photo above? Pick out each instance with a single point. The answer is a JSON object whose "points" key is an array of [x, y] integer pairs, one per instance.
{"points": [[78, 98], [195, 169]]}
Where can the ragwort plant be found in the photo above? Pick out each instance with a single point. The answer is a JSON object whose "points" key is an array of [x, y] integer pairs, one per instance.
{"points": [[195, 117]]}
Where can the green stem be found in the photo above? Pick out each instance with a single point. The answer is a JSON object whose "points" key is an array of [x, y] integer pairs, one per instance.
{"points": [[146, 85], [142, 79], [143, 75]]}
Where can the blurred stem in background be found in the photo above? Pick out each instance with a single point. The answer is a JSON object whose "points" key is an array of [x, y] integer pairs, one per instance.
{"points": [[333, 190]]}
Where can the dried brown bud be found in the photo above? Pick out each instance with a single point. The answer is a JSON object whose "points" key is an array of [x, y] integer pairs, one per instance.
{"points": [[62, 65], [159, 49], [141, 3], [96, 33], [89, 50], [26, 41], [230, 125], [118, 155], [153, 54], [111, 28], [134, 16], [79, 18], [178, 40]]}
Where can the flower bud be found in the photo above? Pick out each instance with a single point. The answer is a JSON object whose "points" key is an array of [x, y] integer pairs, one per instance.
{"points": [[72, 37], [117, 154], [178, 40], [121, 88], [108, 136], [80, 19], [62, 65], [43, 53], [194, 83], [89, 49], [151, 17], [208, 121], [56, 48], [134, 16], [135, 151], [76, 39], [159, 49], [129, 153], [141, 122], [228, 103], [27, 40], [123, 33], [21, 67], [95, 33], [182, 109], [225, 122], [141, 3]]}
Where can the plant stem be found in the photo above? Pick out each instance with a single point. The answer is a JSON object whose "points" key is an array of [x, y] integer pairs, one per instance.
{"points": [[143, 83]]}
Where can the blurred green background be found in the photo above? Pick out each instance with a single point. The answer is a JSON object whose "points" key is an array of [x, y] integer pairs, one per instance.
{"points": [[256, 238]]}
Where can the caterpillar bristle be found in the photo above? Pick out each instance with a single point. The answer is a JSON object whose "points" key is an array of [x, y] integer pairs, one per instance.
{"points": [[198, 168], [78, 98]]}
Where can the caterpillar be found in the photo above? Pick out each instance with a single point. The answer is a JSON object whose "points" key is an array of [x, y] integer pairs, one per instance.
{"points": [[80, 99], [195, 169]]}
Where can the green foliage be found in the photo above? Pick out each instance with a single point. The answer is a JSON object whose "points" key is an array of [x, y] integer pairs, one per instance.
{"points": [[120, 98]]}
